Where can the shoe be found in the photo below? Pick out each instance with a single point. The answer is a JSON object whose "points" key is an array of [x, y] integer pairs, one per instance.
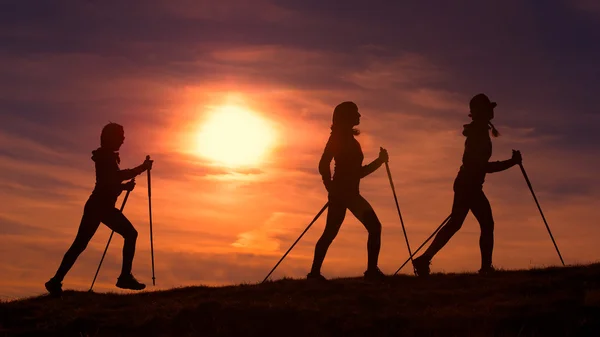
{"points": [[487, 270], [421, 265], [374, 274], [315, 276], [129, 282], [54, 287]]}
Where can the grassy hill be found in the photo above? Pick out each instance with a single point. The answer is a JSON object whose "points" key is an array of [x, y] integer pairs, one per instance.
{"points": [[542, 302]]}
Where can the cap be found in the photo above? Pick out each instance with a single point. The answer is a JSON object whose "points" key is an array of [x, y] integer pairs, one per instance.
{"points": [[481, 102]]}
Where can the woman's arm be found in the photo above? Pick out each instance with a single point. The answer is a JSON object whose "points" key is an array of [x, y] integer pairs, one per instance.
{"points": [[498, 166], [370, 168], [128, 174], [375, 164], [325, 162]]}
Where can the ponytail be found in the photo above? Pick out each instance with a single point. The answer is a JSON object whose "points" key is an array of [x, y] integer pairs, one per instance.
{"points": [[495, 132]]}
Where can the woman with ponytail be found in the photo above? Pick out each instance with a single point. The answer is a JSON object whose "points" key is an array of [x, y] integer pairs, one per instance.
{"points": [[468, 186], [343, 188]]}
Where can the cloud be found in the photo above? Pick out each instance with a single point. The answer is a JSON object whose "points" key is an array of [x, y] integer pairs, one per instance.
{"points": [[436, 99], [266, 237], [258, 11], [589, 6], [397, 72]]}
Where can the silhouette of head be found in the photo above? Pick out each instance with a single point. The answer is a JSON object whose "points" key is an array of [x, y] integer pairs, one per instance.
{"points": [[112, 137], [345, 117], [482, 108]]}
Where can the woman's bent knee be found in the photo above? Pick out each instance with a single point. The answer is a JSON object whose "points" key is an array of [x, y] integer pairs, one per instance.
{"points": [[131, 234]]}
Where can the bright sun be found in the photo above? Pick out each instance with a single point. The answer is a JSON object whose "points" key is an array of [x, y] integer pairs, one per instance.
{"points": [[236, 137]]}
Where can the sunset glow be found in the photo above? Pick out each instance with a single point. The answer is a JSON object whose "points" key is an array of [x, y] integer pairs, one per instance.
{"points": [[236, 137]]}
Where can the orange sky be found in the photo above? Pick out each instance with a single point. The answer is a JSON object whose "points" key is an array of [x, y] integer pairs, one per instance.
{"points": [[222, 225]]}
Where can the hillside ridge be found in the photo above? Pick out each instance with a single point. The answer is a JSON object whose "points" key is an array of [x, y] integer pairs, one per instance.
{"points": [[555, 301]]}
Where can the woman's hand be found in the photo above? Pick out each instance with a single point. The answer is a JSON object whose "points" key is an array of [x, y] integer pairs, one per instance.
{"points": [[516, 157], [129, 186], [327, 184], [383, 155], [147, 164]]}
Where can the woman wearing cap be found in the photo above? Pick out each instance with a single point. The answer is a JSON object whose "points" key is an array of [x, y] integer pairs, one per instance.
{"points": [[343, 188], [468, 186]]}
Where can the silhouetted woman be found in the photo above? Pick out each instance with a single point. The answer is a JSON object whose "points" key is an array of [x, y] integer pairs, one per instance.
{"points": [[468, 186], [343, 188], [100, 207]]}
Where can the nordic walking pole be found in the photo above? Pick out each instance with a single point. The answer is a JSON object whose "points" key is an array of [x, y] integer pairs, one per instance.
{"points": [[150, 214], [387, 167], [301, 235], [542, 213], [109, 238], [424, 243]]}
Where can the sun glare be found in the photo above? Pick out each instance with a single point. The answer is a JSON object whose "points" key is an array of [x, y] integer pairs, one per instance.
{"points": [[236, 137]]}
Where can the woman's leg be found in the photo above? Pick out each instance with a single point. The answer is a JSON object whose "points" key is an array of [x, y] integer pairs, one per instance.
{"points": [[480, 206], [460, 209], [90, 221], [117, 221], [363, 211], [335, 216]]}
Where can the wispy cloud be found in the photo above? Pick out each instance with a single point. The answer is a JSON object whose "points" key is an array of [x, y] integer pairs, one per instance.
{"points": [[589, 6]]}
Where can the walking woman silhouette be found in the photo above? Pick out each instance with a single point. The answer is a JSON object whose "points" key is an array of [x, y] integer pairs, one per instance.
{"points": [[468, 186], [343, 188], [100, 207]]}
